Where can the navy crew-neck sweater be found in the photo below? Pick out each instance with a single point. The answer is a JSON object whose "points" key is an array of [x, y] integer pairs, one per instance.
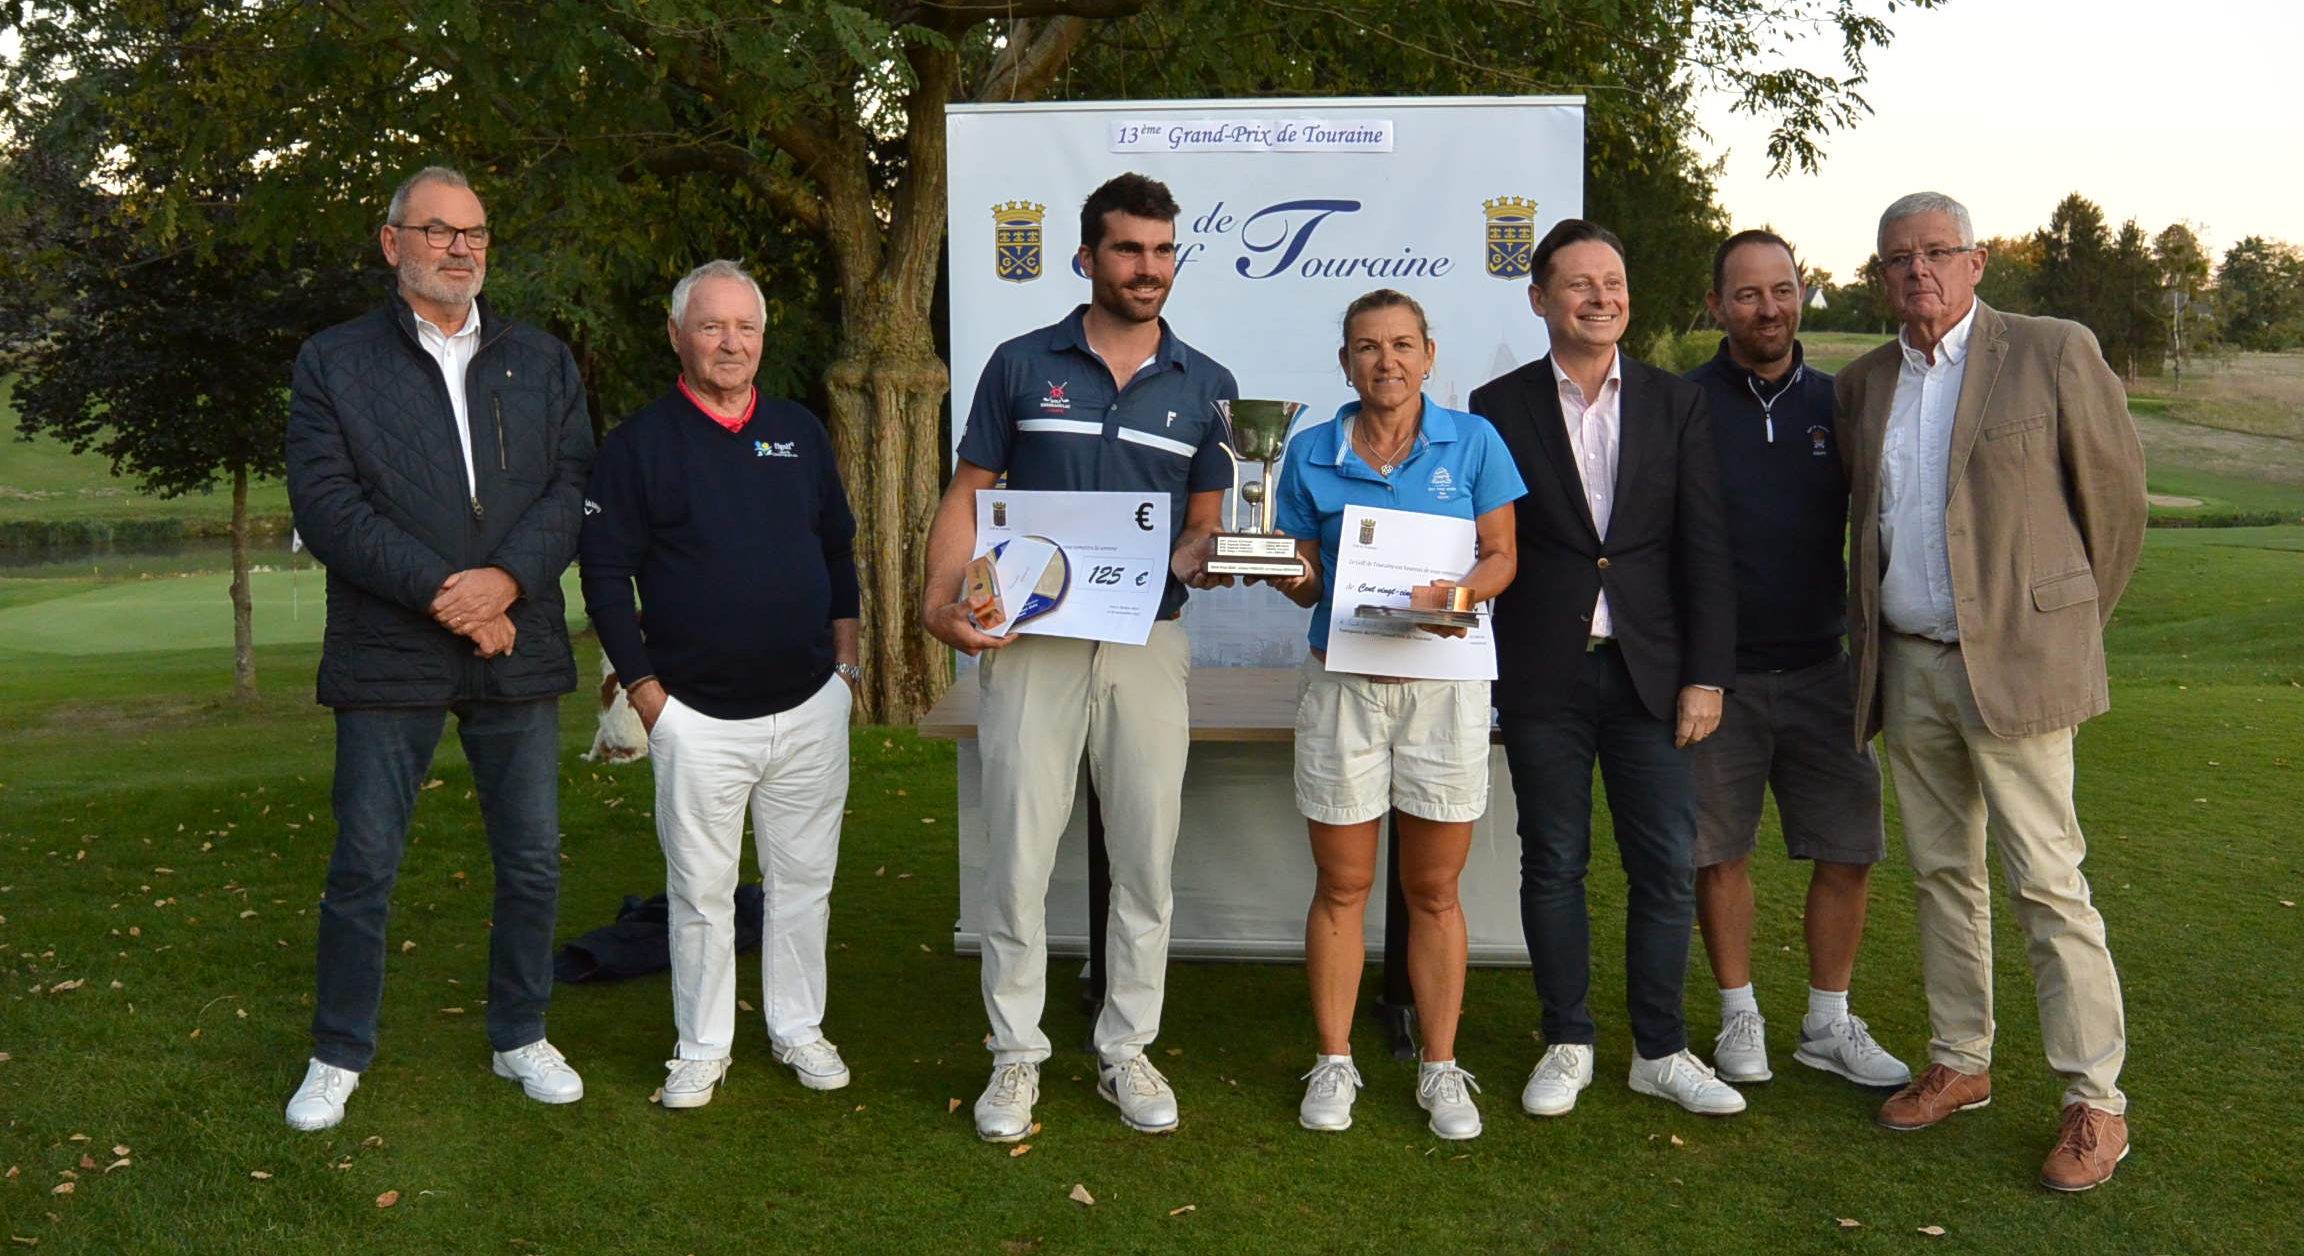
{"points": [[1787, 510], [741, 543]]}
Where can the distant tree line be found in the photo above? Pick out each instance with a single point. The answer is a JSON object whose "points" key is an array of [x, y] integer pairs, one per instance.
{"points": [[2150, 299]]}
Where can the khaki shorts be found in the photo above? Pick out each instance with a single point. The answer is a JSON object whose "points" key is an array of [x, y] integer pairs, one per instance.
{"points": [[1791, 733], [1365, 746]]}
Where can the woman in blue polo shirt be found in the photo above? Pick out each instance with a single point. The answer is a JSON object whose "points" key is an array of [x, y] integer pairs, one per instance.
{"points": [[1368, 744]]}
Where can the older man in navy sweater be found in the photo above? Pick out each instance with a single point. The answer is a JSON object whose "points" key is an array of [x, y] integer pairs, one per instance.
{"points": [[726, 509]]}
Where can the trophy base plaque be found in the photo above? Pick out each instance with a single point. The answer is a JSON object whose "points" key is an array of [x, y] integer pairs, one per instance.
{"points": [[1255, 554]]}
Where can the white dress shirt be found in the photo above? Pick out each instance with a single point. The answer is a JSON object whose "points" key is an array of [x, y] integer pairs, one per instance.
{"points": [[454, 353], [1916, 595], [1595, 429]]}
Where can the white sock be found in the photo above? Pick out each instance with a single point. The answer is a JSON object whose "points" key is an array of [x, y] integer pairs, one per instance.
{"points": [[1434, 1066], [1825, 1006], [1740, 999], [1319, 1060]]}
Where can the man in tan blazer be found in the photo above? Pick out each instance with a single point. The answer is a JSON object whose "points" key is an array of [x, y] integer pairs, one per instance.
{"points": [[1996, 508]]}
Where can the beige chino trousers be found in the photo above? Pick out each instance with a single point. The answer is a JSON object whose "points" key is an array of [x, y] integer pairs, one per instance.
{"points": [[1046, 700], [1958, 785]]}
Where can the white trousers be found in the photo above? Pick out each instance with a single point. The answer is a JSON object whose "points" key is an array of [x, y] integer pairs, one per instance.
{"points": [[1046, 699], [792, 769]]}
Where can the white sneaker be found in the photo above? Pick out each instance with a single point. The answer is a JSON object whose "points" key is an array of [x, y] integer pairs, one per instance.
{"points": [[1147, 1104], [542, 1072], [1683, 1079], [690, 1083], [1004, 1110], [1564, 1072], [319, 1102], [817, 1064], [1740, 1053], [1845, 1047], [1328, 1096], [1446, 1092]]}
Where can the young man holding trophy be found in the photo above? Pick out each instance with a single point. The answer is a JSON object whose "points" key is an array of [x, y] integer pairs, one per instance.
{"points": [[1107, 400]]}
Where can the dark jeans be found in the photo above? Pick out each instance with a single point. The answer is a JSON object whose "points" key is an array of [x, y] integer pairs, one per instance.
{"points": [[382, 757], [1652, 801]]}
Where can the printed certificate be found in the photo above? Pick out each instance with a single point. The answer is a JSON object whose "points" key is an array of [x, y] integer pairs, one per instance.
{"points": [[1380, 556], [1117, 545]]}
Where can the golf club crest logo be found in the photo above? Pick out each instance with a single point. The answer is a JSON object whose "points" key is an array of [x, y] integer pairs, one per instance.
{"points": [[1511, 250], [1819, 437], [1367, 531], [1017, 240]]}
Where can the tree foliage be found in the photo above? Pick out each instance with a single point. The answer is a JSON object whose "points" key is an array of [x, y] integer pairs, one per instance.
{"points": [[619, 143], [169, 365], [2260, 295]]}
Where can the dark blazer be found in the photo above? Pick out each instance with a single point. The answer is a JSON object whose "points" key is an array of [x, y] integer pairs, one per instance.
{"points": [[1666, 564]]}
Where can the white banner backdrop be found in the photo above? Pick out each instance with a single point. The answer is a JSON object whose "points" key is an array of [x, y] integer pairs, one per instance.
{"points": [[1291, 208]]}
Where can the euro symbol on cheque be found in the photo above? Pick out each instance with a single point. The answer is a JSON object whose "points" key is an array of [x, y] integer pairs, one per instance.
{"points": [[1140, 578], [1144, 516]]}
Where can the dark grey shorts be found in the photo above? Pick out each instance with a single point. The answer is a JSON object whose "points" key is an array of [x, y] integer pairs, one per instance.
{"points": [[1794, 733]]}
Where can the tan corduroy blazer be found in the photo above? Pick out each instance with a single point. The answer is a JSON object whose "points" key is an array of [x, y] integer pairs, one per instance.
{"points": [[2043, 524]]}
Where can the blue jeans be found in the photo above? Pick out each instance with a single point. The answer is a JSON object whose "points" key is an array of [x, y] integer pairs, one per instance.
{"points": [[382, 758], [1652, 802]]}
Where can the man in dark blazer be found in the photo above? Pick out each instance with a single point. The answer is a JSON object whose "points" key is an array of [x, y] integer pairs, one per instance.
{"points": [[1613, 646]]}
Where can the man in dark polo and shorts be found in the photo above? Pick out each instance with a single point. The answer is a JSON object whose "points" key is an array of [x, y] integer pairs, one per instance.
{"points": [[1788, 720]]}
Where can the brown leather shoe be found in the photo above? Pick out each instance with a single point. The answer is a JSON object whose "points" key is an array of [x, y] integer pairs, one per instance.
{"points": [[1935, 1094], [2089, 1145]]}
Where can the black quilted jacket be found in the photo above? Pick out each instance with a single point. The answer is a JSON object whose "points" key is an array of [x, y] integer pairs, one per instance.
{"points": [[376, 478]]}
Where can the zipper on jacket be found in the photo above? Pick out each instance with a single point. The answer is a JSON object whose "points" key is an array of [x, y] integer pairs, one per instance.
{"points": [[496, 404]]}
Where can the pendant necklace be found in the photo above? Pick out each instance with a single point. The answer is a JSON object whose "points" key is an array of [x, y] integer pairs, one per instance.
{"points": [[1387, 464]]}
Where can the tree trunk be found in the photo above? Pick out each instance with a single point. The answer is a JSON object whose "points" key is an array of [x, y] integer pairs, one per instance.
{"points": [[243, 605], [887, 391]]}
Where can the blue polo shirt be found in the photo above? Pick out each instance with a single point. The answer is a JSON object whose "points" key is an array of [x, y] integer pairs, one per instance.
{"points": [[1460, 468], [1047, 415]]}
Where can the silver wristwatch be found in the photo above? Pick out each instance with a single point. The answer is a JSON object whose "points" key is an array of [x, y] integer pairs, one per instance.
{"points": [[849, 672]]}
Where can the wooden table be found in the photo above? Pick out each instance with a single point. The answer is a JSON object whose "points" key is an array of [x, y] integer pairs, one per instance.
{"points": [[1227, 704]]}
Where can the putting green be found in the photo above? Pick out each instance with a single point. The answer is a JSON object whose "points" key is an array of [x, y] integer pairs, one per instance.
{"points": [[183, 613]]}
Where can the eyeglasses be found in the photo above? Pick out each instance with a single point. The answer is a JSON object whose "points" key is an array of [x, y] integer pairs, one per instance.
{"points": [[1934, 257], [440, 236]]}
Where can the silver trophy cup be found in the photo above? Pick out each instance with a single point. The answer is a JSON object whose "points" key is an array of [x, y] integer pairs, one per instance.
{"points": [[1256, 431]]}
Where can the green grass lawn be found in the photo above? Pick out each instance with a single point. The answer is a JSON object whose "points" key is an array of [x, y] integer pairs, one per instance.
{"points": [[165, 849], [43, 481]]}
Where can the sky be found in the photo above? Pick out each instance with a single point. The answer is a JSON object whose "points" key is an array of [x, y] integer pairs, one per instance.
{"points": [[2156, 111]]}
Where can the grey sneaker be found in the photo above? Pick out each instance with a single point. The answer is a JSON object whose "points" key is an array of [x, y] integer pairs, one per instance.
{"points": [[542, 1072], [1446, 1092], [690, 1083], [817, 1064], [1560, 1076], [1147, 1104], [1004, 1110], [319, 1102], [1846, 1047], [1328, 1094], [1740, 1053], [1683, 1079]]}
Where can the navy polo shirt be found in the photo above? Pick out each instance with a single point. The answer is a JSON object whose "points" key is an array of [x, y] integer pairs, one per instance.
{"points": [[1047, 415], [1460, 468], [1787, 500]]}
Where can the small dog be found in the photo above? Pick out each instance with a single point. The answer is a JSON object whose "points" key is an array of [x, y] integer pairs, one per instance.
{"points": [[621, 737]]}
